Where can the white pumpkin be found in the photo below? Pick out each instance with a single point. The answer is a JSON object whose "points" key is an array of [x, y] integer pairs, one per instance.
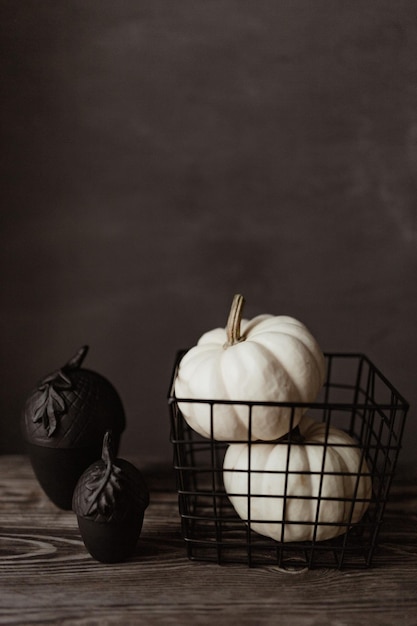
{"points": [[314, 473], [268, 359]]}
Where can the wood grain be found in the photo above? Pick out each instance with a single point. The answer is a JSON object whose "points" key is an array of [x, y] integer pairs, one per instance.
{"points": [[47, 576]]}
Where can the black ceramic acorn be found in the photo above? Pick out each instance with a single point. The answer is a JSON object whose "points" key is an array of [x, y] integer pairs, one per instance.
{"points": [[110, 500], [64, 420]]}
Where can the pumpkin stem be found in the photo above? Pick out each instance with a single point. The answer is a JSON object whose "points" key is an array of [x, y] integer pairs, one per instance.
{"points": [[234, 320], [76, 361], [294, 436]]}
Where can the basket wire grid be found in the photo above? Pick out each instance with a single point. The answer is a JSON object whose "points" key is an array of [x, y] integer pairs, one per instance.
{"points": [[356, 398]]}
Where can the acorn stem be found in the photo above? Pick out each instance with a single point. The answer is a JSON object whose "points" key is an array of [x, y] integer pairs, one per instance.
{"points": [[77, 360], [107, 455]]}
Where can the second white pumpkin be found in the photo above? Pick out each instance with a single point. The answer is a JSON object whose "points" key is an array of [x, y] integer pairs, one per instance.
{"points": [[283, 490]]}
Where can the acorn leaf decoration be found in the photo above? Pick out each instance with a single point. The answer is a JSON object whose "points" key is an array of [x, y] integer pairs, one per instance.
{"points": [[102, 489], [50, 404]]}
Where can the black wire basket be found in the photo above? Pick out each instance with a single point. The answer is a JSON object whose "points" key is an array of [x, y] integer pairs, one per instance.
{"points": [[356, 399]]}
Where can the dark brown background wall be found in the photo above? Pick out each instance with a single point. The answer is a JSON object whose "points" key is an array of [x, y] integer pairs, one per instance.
{"points": [[160, 156]]}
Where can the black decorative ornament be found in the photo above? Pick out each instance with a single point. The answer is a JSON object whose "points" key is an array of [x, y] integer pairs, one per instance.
{"points": [[64, 420], [110, 500]]}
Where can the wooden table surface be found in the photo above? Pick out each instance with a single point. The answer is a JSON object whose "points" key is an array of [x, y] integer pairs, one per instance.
{"points": [[48, 577]]}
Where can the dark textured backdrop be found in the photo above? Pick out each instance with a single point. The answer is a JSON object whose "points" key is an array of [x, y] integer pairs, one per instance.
{"points": [[159, 156]]}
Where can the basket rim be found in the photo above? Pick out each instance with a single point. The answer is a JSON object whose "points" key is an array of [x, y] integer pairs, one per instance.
{"points": [[401, 403]]}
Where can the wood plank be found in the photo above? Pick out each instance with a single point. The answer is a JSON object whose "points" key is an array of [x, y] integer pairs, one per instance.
{"points": [[47, 576]]}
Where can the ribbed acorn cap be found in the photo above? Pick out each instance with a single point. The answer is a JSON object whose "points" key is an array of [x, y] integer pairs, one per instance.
{"points": [[72, 407]]}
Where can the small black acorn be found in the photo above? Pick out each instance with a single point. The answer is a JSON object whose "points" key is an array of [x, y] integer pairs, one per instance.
{"points": [[110, 501], [64, 420]]}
